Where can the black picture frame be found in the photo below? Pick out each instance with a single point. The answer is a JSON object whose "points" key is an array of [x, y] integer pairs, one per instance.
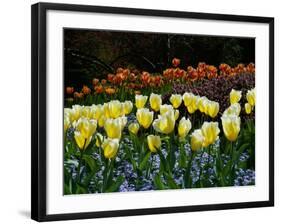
{"points": [[38, 108]]}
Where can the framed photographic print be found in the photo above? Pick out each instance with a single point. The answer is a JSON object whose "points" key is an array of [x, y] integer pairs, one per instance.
{"points": [[139, 111]]}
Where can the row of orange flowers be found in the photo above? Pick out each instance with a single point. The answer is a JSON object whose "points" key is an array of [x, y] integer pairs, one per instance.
{"points": [[135, 80]]}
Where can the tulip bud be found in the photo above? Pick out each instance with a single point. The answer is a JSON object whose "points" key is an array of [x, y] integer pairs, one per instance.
{"points": [[144, 117], [110, 148], [251, 97], [210, 131], [134, 128], [231, 126], [140, 101], [184, 127], [197, 140], [176, 100], [154, 142], [86, 127], [115, 109], [235, 96], [165, 123], [213, 109], [127, 107], [113, 128], [155, 101], [248, 108]]}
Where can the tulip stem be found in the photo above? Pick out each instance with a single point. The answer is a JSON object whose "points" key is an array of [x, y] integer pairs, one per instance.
{"points": [[80, 162]]}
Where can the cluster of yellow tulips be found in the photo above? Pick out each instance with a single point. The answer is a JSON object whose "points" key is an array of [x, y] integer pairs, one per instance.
{"points": [[155, 123]]}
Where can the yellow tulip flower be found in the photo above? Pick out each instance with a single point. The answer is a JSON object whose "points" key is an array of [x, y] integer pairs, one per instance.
{"points": [[96, 111], [122, 121], [176, 100], [74, 113], [127, 107], [213, 108], [134, 128], [66, 123], [233, 109], [210, 131], [140, 101], [165, 108], [110, 148], [192, 104], [251, 97], [86, 127], [187, 98], [165, 123], [203, 104], [248, 108], [155, 101], [102, 121], [115, 109], [99, 139], [235, 96], [231, 126], [154, 142], [144, 117], [177, 114], [81, 141], [86, 112], [197, 140], [184, 127], [113, 128]]}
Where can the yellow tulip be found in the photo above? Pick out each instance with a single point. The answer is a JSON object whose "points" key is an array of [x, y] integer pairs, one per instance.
{"points": [[86, 112], [177, 114], [144, 117], [102, 120], [134, 128], [66, 123], [213, 109], [184, 127], [233, 109], [165, 108], [115, 109], [74, 113], [176, 100], [203, 104], [165, 123], [97, 111], [192, 103], [248, 108], [235, 96], [154, 142], [113, 128], [99, 139], [122, 121], [155, 101], [251, 97], [86, 127], [81, 141], [110, 148], [127, 107], [197, 140], [231, 126], [187, 98], [140, 101], [210, 131]]}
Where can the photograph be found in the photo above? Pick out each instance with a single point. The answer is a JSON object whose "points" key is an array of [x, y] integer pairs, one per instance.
{"points": [[147, 111]]}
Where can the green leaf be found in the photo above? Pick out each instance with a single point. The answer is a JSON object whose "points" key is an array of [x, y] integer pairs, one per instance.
{"points": [[158, 182], [170, 181], [144, 161], [90, 162], [80, 189], [116, 184]]}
